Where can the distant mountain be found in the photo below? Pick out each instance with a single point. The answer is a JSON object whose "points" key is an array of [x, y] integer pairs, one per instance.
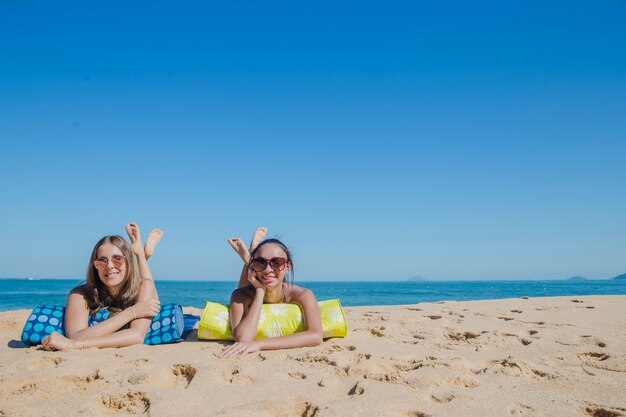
{"points": [[577, 278], [417, 278], [623, 276]]}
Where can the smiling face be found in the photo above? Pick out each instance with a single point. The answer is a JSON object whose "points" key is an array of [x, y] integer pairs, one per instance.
{"points": [[114, 274], [271, 278]]}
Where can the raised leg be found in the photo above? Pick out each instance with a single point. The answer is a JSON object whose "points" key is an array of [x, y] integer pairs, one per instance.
{"points": [[244, 253], [152, 241], [147, 289], [257, 237], [135, 238]]}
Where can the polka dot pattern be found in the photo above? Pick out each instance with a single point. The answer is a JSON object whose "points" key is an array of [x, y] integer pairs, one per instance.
{"points": [[166, 327], [42, 321]]}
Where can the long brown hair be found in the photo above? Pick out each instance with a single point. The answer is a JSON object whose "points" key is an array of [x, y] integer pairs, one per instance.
{"points": [[97, 295]]}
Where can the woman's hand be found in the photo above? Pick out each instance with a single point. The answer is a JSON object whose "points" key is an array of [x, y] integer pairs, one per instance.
{"points": [[255, 282], [55, 341], [148, 308], [241, 348]]}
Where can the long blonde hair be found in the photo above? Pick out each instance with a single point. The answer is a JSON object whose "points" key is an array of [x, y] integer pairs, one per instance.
{"points": [[97, 295]]}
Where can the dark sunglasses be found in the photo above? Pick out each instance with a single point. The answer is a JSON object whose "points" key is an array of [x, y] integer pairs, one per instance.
{"points": [[259, 264], [116, 260]]}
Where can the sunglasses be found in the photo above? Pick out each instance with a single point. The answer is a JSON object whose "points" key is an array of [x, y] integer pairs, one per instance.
{"points": [[259, 264], [116, 260]]}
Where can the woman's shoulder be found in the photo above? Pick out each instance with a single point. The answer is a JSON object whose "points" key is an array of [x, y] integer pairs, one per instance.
{"points": [[78, 298], [80, 289], [297, 293], [243, 293]]}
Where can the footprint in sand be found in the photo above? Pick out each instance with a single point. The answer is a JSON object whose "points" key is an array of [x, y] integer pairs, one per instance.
{"points": [[376, 332], [334, 348], [459, 382], [597, 356], [589, 339], [515, 367], [184, 373], [357, 389], [129, 402], [42, 362], [603, 361], [135, 362], [464, 337], [297, 375], [409, 366], [237, 377], [81, 381], [422, 335], [418, 414], [523, 410], [443, 396], [27, 389], [138, 378], [595, 410], [307, 410]]}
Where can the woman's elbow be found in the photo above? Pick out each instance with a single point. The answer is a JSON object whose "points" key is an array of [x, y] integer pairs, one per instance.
{"points": [[316, 338], [238, 337], [71, 335], [138, 337]]}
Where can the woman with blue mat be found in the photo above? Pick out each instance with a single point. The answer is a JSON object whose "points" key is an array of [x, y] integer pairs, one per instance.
{"points": [[115, 306]]}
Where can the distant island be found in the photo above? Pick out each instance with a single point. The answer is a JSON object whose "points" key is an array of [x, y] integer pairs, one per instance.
{"points": [[623, 276], [417, 278], [577, 278]]}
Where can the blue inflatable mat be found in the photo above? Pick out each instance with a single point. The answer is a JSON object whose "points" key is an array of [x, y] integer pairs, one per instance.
{"points": [[167, 327], [190, 323]]}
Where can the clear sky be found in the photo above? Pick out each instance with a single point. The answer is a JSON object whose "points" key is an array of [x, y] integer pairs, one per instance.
{"points": [[379, 140]]}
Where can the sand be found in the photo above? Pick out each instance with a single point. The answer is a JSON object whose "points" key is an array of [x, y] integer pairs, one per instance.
{"points": [[558, 356]]}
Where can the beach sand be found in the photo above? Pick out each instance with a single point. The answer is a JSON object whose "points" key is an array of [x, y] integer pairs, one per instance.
{"points": [[558, 356]]}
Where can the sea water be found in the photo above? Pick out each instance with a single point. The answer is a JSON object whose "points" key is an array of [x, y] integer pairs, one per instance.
{"points": [[26, 294]]}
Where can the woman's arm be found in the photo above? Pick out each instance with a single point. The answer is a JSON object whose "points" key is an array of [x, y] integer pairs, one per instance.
{"points": [[245, 321], [77, 319], [104, 334], [312, 336], [121, 338]]}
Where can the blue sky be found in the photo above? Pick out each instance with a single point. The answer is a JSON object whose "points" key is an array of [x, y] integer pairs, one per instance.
{"points": [[449, 140]]}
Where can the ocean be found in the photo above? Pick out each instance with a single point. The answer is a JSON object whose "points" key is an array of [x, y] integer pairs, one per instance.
{"points": [[27, 294]]}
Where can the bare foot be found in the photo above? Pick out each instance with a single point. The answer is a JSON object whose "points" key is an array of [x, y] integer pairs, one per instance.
{"points": [[135, 237], [258, 237], [240, 247], [153, 239]]}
